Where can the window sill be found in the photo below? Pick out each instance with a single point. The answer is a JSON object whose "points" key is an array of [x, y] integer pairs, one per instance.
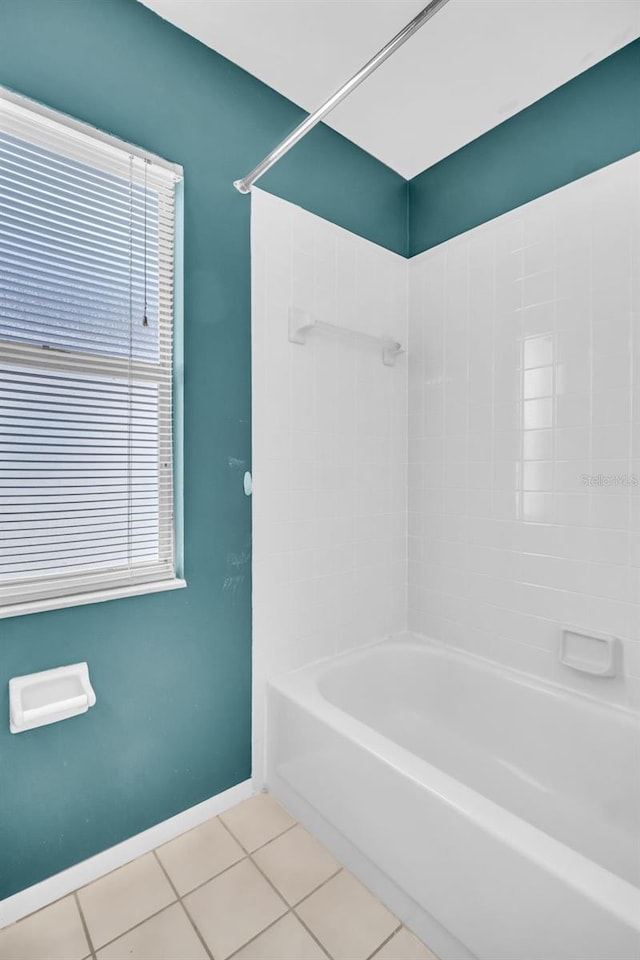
{"points": [[95, 596]]}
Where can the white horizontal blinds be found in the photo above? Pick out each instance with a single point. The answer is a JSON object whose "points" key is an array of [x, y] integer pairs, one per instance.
{"points": [[66, 273], [78, 473], [86, 302]]}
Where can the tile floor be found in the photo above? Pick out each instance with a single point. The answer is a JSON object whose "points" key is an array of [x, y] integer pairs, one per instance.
{"points": [[251, 884]]}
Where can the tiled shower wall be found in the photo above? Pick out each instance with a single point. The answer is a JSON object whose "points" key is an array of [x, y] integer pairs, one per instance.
{"points": [[524, 431], [329, 445], [523, 415]]}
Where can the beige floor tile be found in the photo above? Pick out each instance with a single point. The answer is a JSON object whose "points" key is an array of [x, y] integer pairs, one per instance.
{"points": [[233, 908], [54, 933], [256, 821], [404, 946], [167, 936], [346, 918], [296, 863], [199, 855], [285, 940], [117, 902]]}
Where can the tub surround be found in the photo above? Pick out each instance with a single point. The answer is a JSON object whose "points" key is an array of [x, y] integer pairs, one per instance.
{"points": [[521, 424]]}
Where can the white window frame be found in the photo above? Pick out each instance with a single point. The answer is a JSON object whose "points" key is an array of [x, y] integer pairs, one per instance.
{"points": [[58, 591]]}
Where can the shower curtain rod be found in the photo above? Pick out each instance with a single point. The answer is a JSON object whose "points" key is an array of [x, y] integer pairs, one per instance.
{"points": [[244, 185]]}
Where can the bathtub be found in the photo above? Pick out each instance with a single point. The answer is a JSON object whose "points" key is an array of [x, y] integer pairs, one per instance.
{"points": [[497, 815]]}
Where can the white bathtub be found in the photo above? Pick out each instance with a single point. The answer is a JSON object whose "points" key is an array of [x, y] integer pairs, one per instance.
{"points": [[497, 815]]}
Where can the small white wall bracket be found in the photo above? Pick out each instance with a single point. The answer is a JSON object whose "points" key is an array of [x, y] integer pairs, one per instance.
{"points": [[301, 323], [597, 654], [51, 695]]}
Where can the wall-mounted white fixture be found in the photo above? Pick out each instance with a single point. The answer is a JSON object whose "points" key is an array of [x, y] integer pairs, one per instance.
{"points": [[302, 323], [40, 698], [247, 484], [595, 653]]}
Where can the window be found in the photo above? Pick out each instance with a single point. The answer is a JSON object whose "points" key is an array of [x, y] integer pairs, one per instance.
{"points": [[87, 228]]}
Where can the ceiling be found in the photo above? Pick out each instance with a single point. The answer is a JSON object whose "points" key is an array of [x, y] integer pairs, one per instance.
{"points": [[476, 63]]}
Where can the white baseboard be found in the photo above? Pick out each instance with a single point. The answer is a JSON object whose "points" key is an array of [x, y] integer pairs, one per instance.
{"points": [[51, 889]]}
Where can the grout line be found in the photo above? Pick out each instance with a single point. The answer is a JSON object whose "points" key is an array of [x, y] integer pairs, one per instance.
{"points": [[196, 931], [312, 934], [136, 925], [214, 876], [272, 885], [154, 852], [189, 917], [246, 855], [84, 924], [209, 879], [385, 942], [264, 930], [290, 909], [45, 906], [293, 909], [266, 843], [250, 859], [319, 887]]}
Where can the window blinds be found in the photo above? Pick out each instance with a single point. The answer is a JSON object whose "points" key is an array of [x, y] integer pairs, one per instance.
{"points": [[86, 304]]}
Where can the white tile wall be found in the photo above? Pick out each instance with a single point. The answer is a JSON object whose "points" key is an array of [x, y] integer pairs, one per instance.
{"points": [[329, 445], [524, 379]]}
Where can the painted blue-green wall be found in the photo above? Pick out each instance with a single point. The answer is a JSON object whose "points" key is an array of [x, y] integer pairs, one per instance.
{"points": [[582, 126], [172, 672]]}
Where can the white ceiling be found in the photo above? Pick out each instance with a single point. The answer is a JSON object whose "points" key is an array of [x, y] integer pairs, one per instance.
{"points": [[476, 63]]}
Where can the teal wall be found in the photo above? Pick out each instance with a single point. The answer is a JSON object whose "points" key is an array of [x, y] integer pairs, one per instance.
{"points": [[172, 672], [582, 126]]}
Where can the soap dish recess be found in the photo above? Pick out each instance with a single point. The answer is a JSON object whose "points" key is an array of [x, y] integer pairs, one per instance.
{"points": [[597, 654], [51, 695]]}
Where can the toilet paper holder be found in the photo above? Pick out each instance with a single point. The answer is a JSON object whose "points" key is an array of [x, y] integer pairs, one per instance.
{"points": [[36, 699]]}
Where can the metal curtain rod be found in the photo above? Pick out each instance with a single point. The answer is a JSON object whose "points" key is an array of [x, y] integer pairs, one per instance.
{"points": [[244, 185]]}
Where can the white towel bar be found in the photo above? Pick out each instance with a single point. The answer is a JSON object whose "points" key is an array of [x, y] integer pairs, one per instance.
{"points": [[301, 323]]}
